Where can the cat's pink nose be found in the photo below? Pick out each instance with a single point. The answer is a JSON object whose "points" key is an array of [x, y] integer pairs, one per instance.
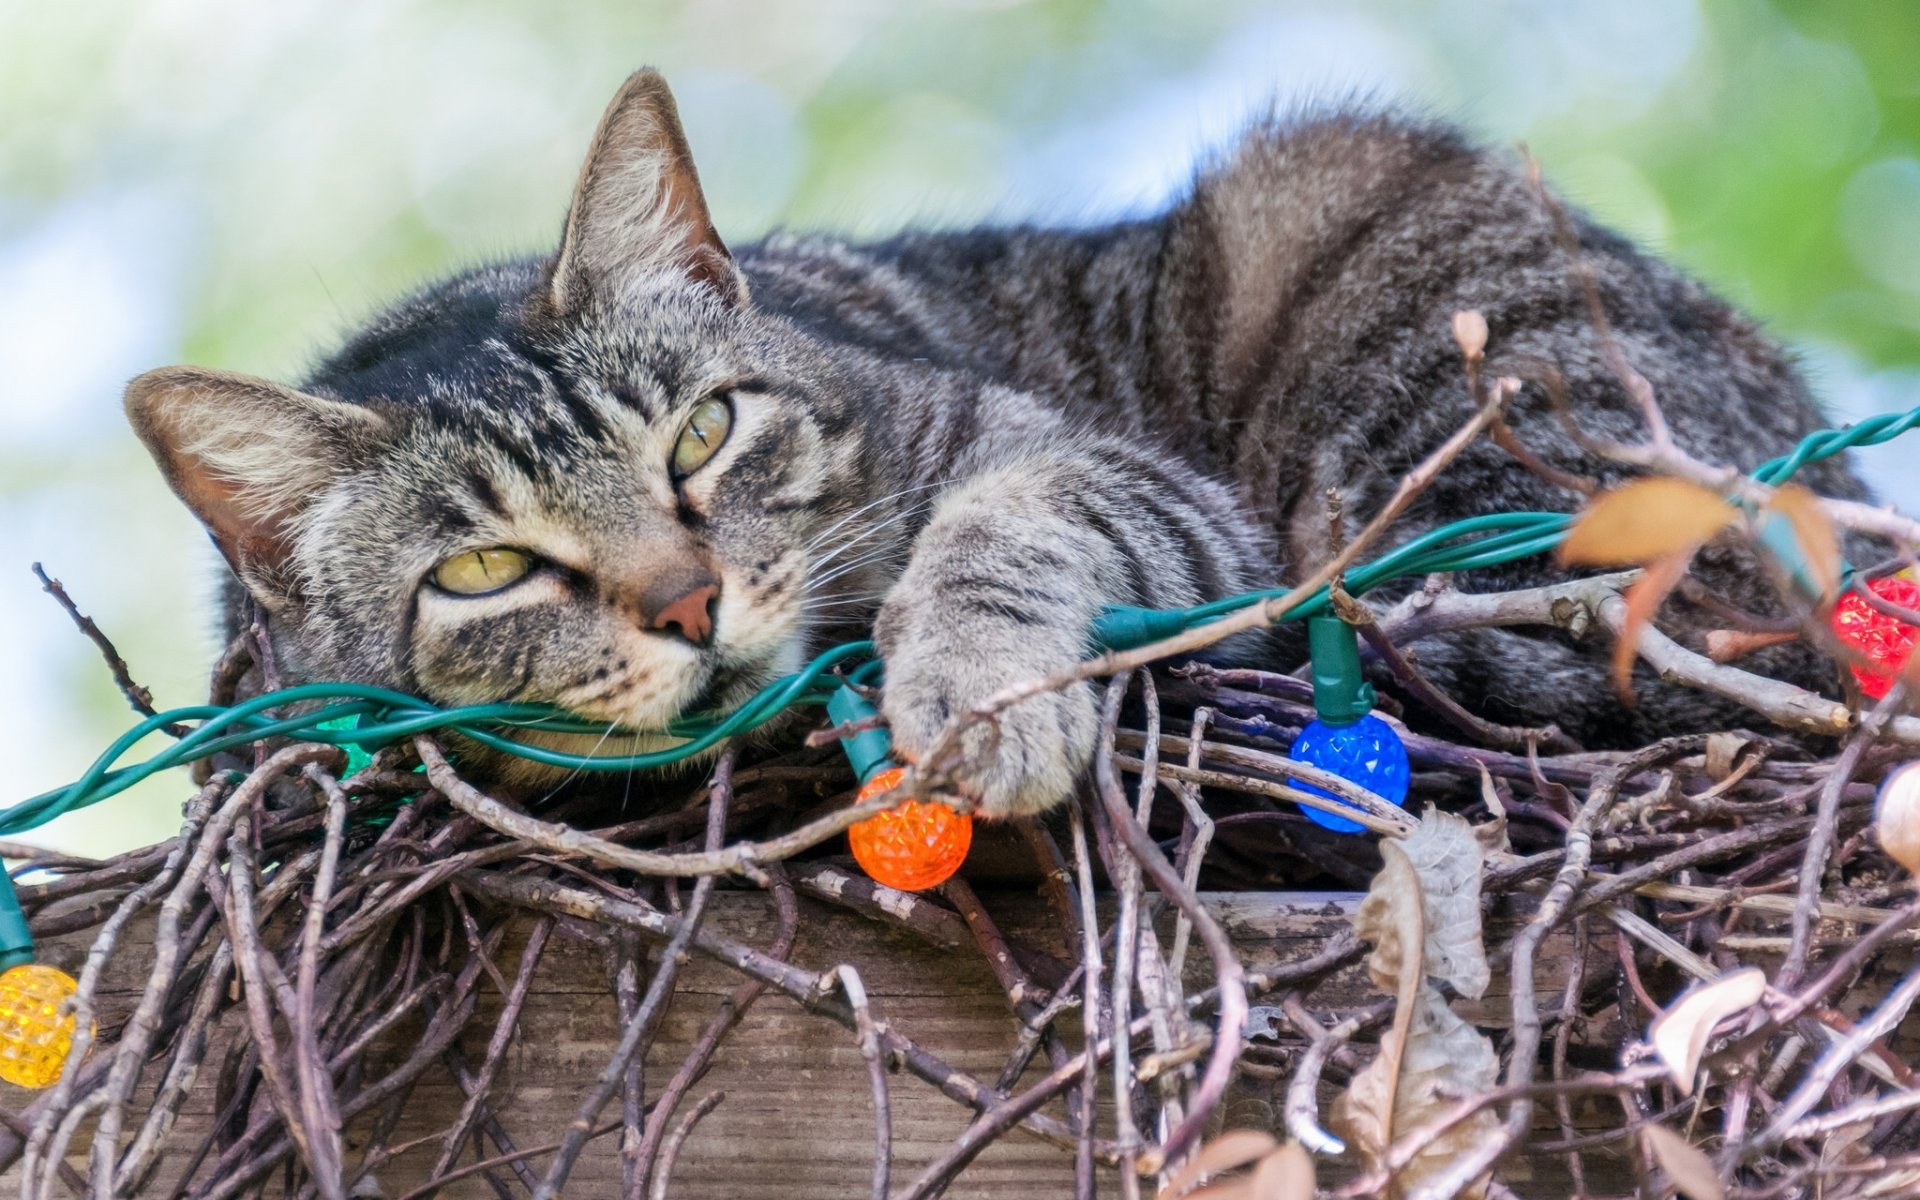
{"points": [[690, 614]]}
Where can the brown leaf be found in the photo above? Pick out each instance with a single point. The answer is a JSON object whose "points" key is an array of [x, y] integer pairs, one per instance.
{"points": [[1819, 545], [1470, 334], [1723, 753], [1896, 815], [1690, 1170], [1235, 1148], [1390, 917], [1422, 915], [1240, 1187], [1447, 858], [1731, 645], [1679, 1035], [1440, 1059], [1492, 835], [1643, 601], [1645, 520], [1286, 1174]]}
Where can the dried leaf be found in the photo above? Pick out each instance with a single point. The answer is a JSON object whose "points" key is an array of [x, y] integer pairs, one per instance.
{"points": [[1732, 645], [1390, 917], [1643, 600], [1643, 521], [1441, 1059], [1679, 1035], [1690, 1170], [1240, 1187], [1723, 753], [1422, 915], [1894, 1185], [1470, 334], [1492, 835], [1896, 815], [1235, 1148], [1849, 1146], [1286, 1174], [1819, 545], [1447, 858]]}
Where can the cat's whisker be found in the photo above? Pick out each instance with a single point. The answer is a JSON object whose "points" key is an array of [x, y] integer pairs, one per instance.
{"points": [[900, 515], [570, 776], [824, 534], [865, 560], [849, 598], [827, 604], [889, 546]]}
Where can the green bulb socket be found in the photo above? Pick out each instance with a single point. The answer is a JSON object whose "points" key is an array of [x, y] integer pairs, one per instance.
{"points": [[16, 944], [868, 750], [1341, 695]]}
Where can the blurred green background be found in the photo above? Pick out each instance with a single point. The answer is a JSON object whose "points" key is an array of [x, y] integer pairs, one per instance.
{"points": [[235, 184]]}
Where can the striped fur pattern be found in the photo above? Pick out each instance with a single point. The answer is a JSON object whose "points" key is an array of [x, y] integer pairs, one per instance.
{"points": [[969, 440]]}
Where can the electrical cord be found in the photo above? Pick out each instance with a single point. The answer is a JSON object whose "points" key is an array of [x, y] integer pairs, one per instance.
{"points": [[364, 718]]}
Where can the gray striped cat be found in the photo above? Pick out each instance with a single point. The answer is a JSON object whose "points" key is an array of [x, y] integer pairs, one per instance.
{"points": [[647, 475]]}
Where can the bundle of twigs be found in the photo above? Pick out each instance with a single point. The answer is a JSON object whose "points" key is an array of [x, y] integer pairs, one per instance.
{"points": [[324, 913], [327, 911]]}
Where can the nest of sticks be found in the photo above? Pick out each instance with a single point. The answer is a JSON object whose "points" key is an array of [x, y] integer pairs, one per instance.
{"points": [[305, 917], [317, 913]]}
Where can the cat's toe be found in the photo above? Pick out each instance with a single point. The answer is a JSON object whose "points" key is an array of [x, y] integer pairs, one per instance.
{"points": [[1024, 760]]}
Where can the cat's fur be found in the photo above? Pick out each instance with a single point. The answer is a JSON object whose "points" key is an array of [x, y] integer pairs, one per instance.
{"points": [[987, 434]]}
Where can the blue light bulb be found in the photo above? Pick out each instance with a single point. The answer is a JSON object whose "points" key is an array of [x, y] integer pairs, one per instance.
{"points": [[1367, 752]]}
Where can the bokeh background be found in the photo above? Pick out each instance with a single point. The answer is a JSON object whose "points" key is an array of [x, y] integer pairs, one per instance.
{"points": [[234, 184]]}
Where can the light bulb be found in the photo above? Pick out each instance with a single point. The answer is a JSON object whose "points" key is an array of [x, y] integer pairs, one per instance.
{"points": [[35, 1034], [1367, 752], [912, 846], [1885, 642]]}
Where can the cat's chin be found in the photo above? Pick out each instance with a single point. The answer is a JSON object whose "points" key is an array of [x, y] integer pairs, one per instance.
{"points": [[517, 772]]}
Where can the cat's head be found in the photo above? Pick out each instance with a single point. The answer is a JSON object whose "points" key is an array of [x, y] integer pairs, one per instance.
{"points": [[603, 480]]}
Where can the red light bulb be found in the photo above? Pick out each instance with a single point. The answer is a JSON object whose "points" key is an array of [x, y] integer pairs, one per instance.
{"points": [[1885, 642], [912, 846]]}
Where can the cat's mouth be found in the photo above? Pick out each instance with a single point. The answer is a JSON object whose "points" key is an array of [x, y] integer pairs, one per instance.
{"points": [[712, 694]]}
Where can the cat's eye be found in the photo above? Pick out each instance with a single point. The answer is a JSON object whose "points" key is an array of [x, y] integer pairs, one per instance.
{"points": [[702, 435], [480, 571]]}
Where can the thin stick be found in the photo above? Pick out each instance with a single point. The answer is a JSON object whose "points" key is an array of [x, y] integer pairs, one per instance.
{"points": [[856, 994], [139, 697], [670, 1154]]}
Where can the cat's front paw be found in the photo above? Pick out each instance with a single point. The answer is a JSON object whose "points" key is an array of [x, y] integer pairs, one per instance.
{"points": [[1026, 758]]}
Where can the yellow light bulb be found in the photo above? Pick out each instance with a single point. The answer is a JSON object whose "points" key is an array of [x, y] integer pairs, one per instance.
{"points": [[35, 1032]]}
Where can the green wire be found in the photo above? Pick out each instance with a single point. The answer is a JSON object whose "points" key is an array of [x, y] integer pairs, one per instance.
{"points": [[370, 717]]}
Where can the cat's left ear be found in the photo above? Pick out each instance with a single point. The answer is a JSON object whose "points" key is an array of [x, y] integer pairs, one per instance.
{"points": [[638, 209]]}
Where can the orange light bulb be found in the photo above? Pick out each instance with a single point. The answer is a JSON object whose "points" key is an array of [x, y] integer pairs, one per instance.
{"points": [[912, 846], [35, 1034]]}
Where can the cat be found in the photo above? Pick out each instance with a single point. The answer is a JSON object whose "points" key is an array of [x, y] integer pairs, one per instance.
{"points": [[647, 475]]}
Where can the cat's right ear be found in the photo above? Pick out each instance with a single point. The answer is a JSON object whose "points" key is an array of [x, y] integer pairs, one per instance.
{"points": [[248, 457], [638, 209]]}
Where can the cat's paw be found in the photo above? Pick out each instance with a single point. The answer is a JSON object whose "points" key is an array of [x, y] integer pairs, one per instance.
{"points": [[1025, 759]]}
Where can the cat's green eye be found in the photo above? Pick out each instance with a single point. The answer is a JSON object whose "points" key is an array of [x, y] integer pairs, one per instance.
{"points": [[480, 571], [702, 435]]}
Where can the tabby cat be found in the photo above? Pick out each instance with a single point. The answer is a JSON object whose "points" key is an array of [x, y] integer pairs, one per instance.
{"points": [[646, 475]]}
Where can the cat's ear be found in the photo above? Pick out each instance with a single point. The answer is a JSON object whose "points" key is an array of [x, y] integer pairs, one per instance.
{"points": [[638, 209], [248, 457]]}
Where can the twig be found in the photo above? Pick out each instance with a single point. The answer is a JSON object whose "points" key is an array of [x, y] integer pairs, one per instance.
{"points": [[640, 1029], [856, 994], [139, 697], [670, 1153]]}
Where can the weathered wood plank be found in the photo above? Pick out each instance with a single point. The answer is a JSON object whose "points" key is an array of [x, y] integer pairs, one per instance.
{"points": [[796, 1123]]}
